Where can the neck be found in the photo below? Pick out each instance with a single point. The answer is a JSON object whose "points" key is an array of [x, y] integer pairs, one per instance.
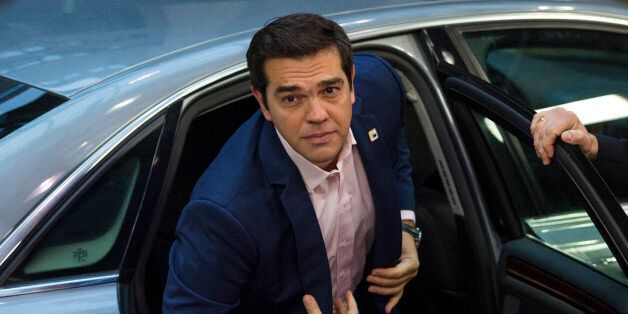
{"points": [[329, 165]]}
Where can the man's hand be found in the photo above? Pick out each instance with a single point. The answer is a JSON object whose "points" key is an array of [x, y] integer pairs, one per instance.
{"points": [[547, 126], [346, 306], [391, 281]]}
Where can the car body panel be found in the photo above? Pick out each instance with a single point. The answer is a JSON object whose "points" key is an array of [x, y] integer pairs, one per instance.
{"points": [[65, 46], [102, 298]]}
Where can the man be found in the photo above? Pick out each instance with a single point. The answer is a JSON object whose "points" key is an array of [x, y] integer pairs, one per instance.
{"points": [[610, 155], [305, 196]]}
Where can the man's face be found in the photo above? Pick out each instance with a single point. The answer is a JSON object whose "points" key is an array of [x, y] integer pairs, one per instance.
{"points": [[309, 102]]}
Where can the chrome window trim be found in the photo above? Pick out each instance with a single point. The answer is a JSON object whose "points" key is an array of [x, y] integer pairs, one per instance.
{"points": [[489, 18], [14, 240], [457, 35], [62, 284]]}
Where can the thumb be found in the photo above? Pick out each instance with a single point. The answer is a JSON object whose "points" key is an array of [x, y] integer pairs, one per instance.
{"points": [[575, 137], [310, 305]]}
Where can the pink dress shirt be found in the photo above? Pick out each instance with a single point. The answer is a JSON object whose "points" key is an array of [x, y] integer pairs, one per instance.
{"points": [[344, 208]]}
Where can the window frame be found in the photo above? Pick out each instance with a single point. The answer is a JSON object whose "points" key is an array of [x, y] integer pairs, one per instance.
{"points": [[65, 203], [180, 116], [471, 62], [603, 209], [456, 33]]}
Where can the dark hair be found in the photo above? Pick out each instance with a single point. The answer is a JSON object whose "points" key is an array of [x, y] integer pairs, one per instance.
{"points": [[296, 36]]}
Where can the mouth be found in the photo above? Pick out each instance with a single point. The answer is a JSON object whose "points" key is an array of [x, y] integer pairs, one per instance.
{"points": [[319, 138]]}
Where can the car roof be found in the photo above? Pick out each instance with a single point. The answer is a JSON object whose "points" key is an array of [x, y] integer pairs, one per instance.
{"points": [[120, 60], [67, 46]]}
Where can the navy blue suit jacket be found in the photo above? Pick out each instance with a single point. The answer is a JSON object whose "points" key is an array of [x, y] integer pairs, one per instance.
{"points": [[612, 162], [249, 240]]}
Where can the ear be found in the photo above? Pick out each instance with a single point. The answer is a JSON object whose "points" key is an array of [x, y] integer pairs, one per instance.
{"points": [[353, 84], [260, 102]]}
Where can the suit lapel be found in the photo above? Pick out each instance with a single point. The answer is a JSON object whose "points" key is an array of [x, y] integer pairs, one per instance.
{"points": [[387, 247], [289, 186]]}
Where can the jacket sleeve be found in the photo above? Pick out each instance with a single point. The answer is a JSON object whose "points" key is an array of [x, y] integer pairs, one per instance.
{"points": [[402, 167], [210, 261], [612, 163], [403, 173]]}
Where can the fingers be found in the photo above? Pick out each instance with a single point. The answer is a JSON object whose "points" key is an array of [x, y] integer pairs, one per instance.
{"points": [[353, 306], [340, 307], [544, 138], [537, 145], [406, 266], [311, 306], [393, 302], [548, 125], [391, 273], [547, 140], [347, 305], [538, 122], [535, 120], [388, 282], [386, 290]]}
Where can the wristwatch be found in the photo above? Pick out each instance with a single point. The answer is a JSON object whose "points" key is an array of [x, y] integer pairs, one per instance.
{"points": [[414, 231]]}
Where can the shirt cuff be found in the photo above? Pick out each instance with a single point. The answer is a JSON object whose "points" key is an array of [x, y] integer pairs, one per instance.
{"points": [[408, 214]]}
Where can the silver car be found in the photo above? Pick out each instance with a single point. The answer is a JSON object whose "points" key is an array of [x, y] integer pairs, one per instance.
{"points": [[111, 110]]}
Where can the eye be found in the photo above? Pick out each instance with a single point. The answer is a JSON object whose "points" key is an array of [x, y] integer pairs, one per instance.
{"points": [[331, 90], [290, 100]]}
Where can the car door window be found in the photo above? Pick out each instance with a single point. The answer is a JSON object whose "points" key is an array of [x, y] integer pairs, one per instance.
{"points": [[549, 207], [92, 234], [565, 206], [584, 71]]}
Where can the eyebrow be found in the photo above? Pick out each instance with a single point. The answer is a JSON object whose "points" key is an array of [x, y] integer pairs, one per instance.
{"points": [[286, 88], [333, 81], [292, 88]]}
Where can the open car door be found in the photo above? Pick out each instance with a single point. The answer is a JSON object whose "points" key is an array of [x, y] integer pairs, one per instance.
{"points": [[571, 252]]}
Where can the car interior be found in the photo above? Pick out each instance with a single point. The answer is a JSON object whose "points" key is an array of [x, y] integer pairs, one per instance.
{"points": [[444, 282]]}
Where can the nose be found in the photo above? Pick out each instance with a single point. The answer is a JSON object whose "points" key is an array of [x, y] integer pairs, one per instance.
{"points": [[317, 113]]}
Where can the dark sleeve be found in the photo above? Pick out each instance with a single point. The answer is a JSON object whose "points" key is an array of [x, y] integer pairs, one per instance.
{"points": [[612, 163], [403, 172], [210, 261], [402, 166]]}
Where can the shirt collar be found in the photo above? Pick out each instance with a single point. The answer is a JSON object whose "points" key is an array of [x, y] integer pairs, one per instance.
{"points": [[311, 173]]}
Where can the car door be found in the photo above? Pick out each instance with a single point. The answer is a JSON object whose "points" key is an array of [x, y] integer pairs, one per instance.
{"points": [[541, 265], [78, 257]]}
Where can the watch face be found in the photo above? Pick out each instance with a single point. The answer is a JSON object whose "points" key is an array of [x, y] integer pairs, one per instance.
{"points": [[415, 232], [417, 238]]}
